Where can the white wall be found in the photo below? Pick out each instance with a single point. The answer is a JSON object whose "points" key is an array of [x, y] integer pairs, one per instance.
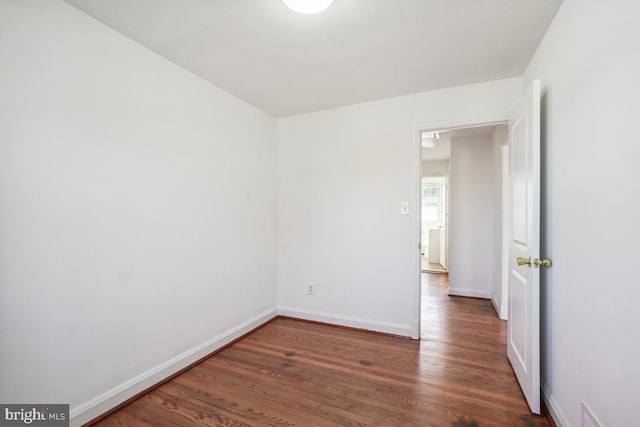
{"points": [[435, 167], [471, 228], [342, 176], [589, 63], [137, 219]]}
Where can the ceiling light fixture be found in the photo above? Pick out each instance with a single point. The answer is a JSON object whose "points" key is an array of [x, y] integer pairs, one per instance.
{"points": [[429, 138], [308, 6]]}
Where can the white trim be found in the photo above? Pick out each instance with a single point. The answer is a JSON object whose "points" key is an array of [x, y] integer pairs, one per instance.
{"points": [[552, 406], [417, 231], [112, 398], [469, 293], [469, 122], [506, 232], [415, 330], [496, 307], [348, 321]]}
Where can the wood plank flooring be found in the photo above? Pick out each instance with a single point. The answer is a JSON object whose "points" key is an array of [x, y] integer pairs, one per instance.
{"points": [[293, 373]]}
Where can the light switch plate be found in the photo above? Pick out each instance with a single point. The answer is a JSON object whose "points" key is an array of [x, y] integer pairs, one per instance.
{"points": [[404, 208]]}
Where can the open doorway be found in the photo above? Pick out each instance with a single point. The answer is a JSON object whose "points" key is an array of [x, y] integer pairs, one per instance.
{"points": [[461, 220], [434, 216], [433, 234]]}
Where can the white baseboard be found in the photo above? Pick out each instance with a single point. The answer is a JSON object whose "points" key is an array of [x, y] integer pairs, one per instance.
{"points": [[112, 398], [504, 312], [552, 405], [496, 307], [351, 322], [415, 330], [500, 309], [469, 293]]}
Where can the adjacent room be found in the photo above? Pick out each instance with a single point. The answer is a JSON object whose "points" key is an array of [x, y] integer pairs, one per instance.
{"points": [[219, 211]]}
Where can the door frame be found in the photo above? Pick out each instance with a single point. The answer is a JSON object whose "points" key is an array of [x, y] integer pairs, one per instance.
{"points": [[436, 125], [503, 309]]}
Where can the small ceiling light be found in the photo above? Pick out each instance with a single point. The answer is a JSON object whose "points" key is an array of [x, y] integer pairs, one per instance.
{"points": [[308, 6], [429, 138]]}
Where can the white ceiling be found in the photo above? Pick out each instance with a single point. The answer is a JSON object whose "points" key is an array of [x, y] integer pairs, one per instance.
{"points": [[356, 51], [440, 151]]}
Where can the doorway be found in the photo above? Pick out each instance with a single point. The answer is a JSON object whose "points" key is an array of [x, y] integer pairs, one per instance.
{"points": [[434, 201], [434, 215], [461, 209]]}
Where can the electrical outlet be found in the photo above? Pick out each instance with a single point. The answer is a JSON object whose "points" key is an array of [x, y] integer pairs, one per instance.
{"points": [[310, 290]]}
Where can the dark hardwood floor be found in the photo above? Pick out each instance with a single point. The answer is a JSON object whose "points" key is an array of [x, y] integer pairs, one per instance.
{"points": [[294, 373]]}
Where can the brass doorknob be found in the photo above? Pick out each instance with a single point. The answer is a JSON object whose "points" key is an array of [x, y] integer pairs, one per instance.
{"points": [[524, 261], [542, 262]]}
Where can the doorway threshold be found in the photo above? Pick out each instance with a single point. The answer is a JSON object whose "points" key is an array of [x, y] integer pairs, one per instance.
{"points": [[432, 267], [430, 271]]}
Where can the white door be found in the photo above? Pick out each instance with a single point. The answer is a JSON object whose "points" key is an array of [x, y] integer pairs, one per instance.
{"points": [[523, 338]]}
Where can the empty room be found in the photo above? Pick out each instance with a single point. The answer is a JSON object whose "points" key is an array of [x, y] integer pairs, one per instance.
{"points": [[211, 212]]}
